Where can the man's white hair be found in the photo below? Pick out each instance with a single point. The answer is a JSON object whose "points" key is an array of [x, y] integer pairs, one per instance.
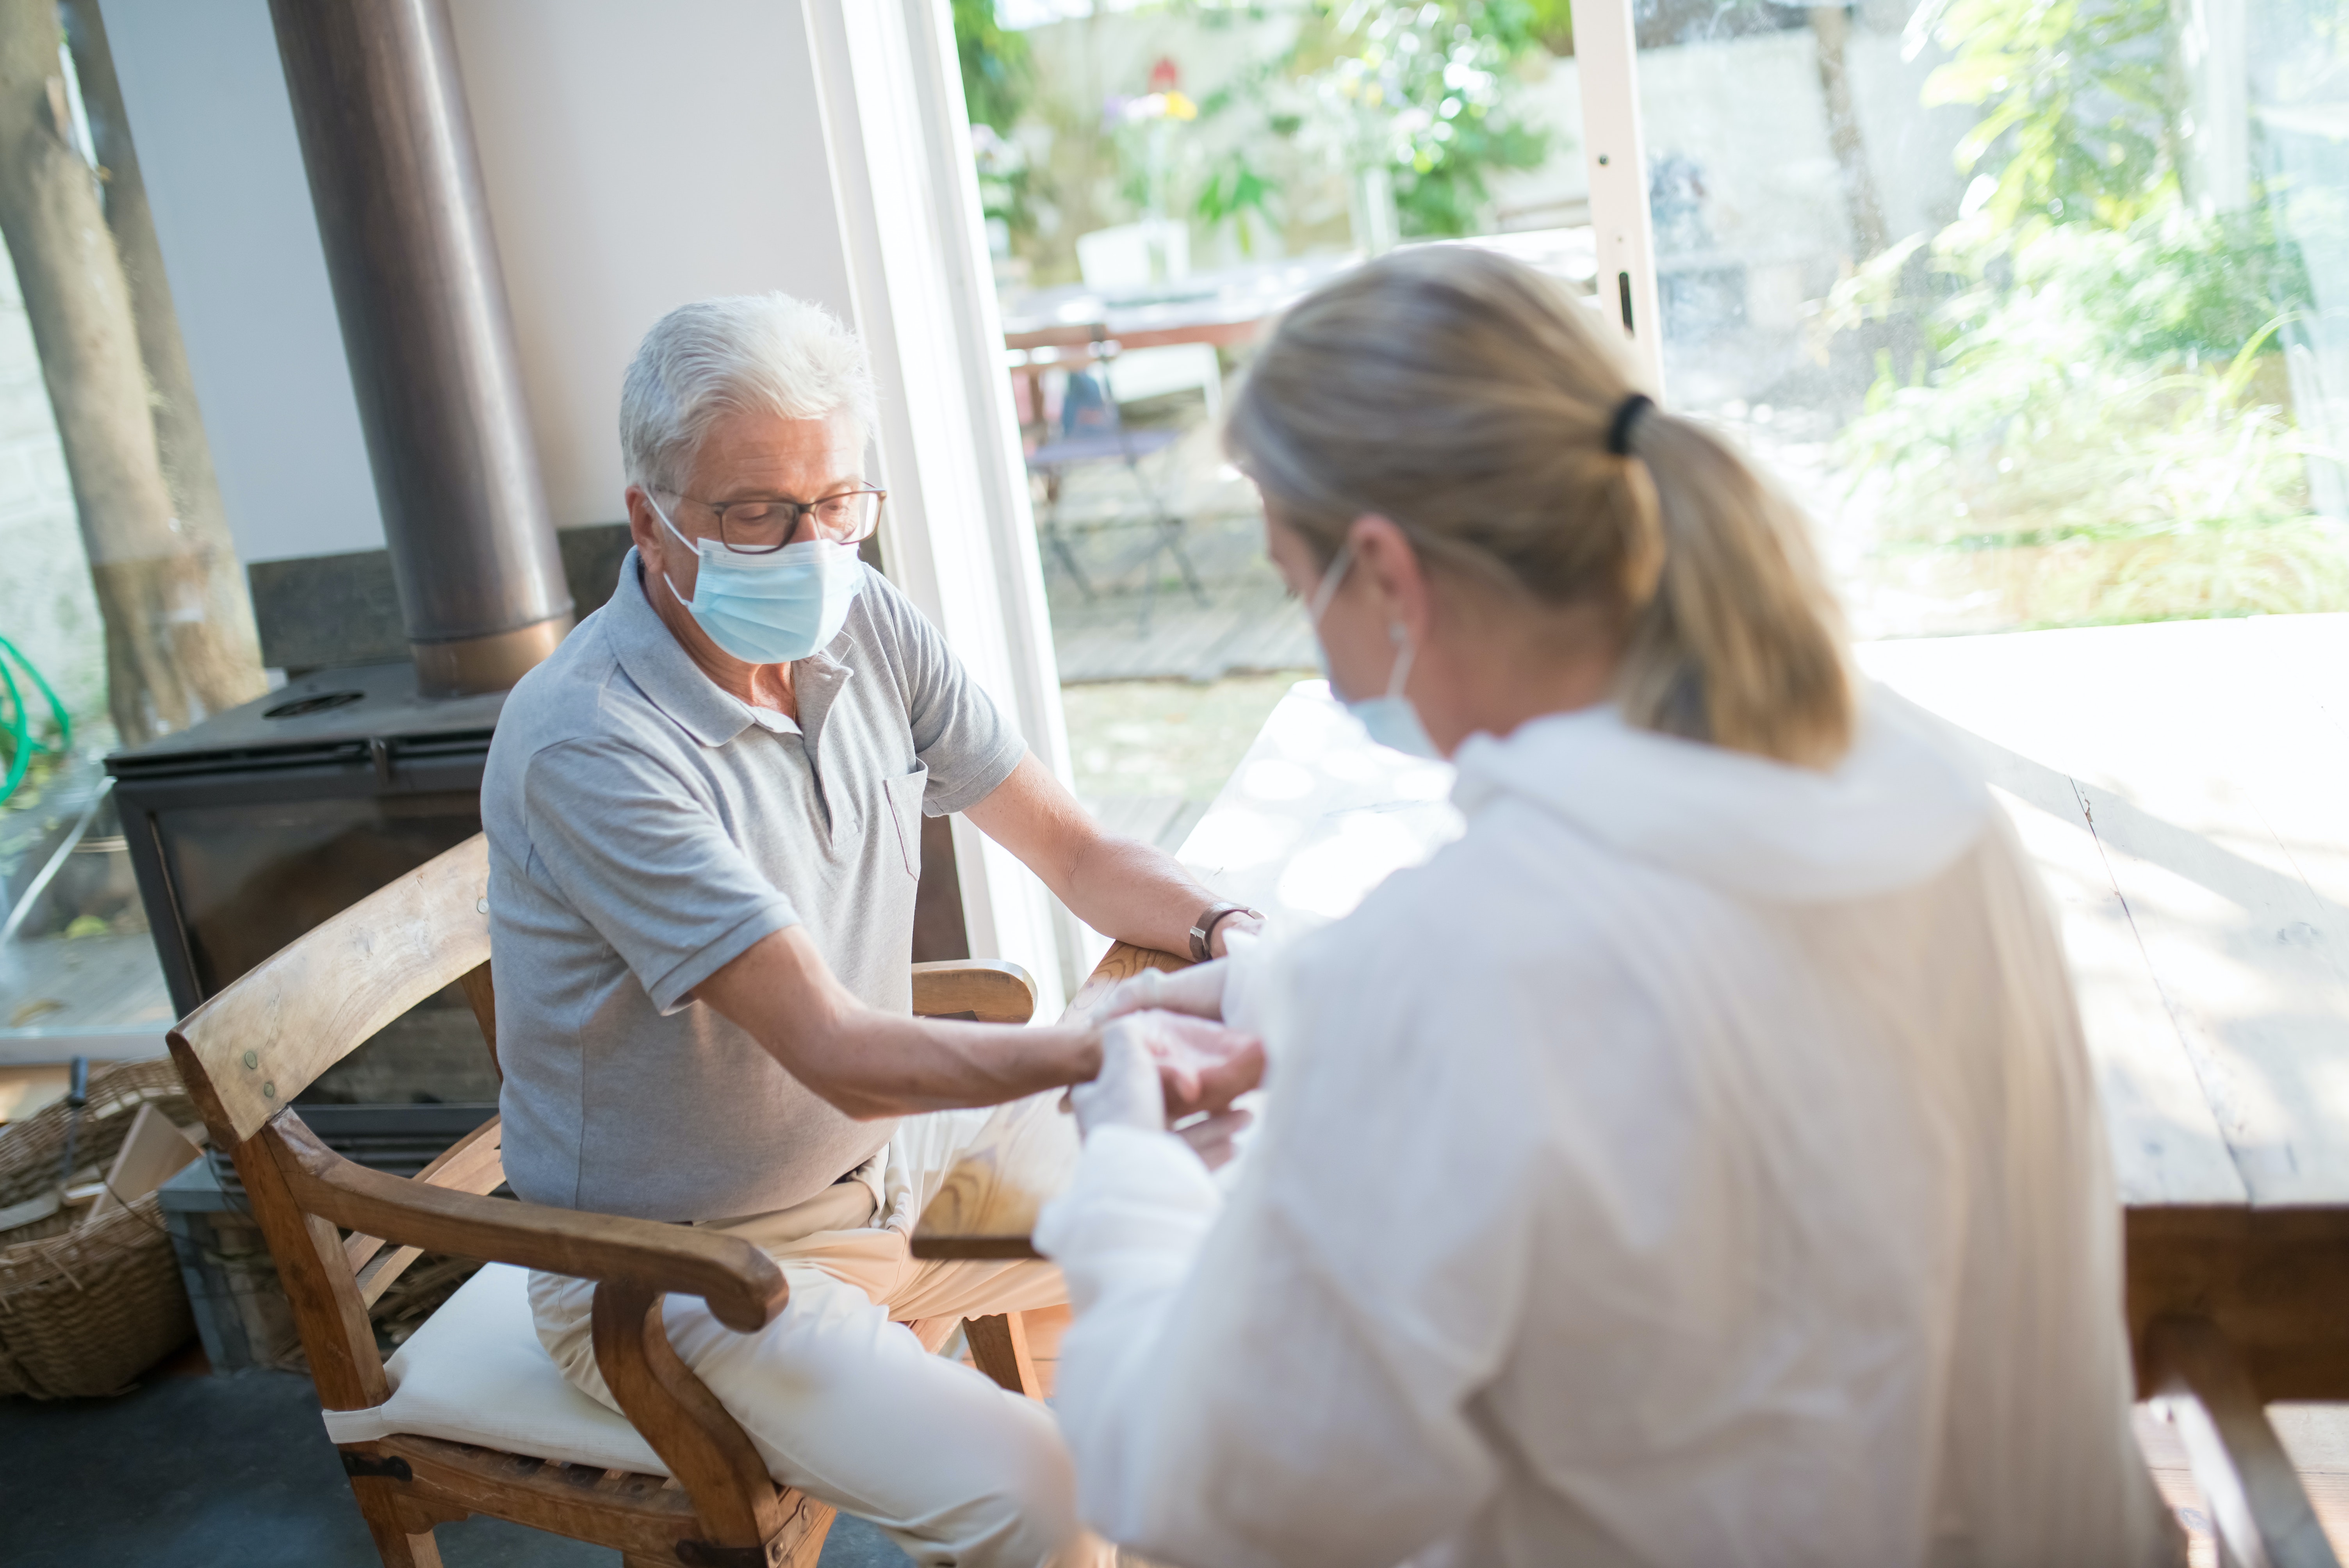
{"points": [[768, 353]]}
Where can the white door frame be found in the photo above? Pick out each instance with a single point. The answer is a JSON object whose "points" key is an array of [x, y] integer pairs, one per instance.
{"points": [[957, 536], [1606, 51]]}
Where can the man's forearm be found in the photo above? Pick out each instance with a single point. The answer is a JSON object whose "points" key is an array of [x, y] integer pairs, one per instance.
{"points": [[873, 1064], [1118, 886], [1136, 893]]}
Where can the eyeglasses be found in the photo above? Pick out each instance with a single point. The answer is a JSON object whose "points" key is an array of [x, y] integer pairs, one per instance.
{"points": [[761, 525]]}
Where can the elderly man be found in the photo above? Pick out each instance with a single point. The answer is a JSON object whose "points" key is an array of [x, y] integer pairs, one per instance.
{"points": [[704, 816]]}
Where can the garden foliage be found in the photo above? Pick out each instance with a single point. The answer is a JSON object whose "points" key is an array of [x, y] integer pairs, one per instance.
{"points": [[2099, 425]]}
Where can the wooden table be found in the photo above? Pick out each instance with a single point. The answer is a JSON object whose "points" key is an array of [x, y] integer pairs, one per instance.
{"points": [[2184, 789], [1225, 307], [1228, 306]]}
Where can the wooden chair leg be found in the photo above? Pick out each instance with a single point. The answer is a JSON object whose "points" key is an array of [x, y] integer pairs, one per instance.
{"points": [[397, 1540], [999, 1346], [2260, 1510], [934, 1332]]}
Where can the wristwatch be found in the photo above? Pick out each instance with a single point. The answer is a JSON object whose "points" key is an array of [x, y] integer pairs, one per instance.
{"points": [[1203, 930]]}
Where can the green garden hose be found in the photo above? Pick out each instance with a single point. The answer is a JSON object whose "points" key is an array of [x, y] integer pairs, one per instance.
{"points": [[17, 723]]}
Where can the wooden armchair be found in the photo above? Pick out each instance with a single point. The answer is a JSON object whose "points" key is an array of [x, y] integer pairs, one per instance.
{"points": [[472, 1416]]}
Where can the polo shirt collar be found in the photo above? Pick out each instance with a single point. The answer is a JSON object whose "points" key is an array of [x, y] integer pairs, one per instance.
{"points": [[666, 674]]}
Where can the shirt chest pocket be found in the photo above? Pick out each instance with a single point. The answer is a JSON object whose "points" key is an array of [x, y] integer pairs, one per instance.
{"points": [[904, 793]]}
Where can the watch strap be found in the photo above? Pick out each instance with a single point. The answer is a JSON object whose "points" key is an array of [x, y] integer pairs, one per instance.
{"points": [[1203, 930]]}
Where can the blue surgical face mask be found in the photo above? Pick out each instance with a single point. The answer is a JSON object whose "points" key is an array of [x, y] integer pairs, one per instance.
{"points": [[1390, 720], [771, 609]]}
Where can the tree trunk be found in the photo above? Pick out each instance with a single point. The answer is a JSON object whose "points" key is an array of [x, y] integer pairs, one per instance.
{"points": [[187, 456], [1831, 28], [179, 625]]}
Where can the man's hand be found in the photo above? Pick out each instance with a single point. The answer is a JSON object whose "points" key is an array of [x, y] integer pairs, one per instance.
{"points": [[1202, 1065], [1157, 1066]]}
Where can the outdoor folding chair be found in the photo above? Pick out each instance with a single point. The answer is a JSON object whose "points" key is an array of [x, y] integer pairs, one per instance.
{"points": [[1094, 431], [472, 1416]]}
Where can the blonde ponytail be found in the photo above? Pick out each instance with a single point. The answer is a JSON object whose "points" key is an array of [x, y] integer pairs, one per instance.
{"points": [[1471, 400]]}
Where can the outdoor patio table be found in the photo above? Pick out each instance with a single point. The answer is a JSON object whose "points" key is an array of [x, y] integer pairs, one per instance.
{"points": [[1227, 306], [2184, 789]]}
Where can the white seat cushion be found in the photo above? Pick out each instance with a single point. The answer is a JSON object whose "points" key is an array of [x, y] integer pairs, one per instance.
{"points": [[475, 1373]]}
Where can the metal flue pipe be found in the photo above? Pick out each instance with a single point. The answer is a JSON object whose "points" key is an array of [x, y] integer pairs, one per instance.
{"points": [[389, 145]]}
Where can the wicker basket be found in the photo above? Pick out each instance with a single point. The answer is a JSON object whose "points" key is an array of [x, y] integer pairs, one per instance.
{"points": [[85, 1311]]}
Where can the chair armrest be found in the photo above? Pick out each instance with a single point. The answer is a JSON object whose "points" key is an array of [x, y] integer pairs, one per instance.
{"points": [[472, 1164], [994, 989], [704, 1446], [1123, 961], [744, 1288]]}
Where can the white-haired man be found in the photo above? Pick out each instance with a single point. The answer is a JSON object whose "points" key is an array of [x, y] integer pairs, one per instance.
{"points": [[704, 816]]}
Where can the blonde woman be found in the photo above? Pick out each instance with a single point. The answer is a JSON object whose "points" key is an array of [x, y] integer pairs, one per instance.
{"points": [[1697, 1162]]}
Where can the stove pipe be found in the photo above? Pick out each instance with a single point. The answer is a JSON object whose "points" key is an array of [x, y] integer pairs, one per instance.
{"points": [[389, 149]]}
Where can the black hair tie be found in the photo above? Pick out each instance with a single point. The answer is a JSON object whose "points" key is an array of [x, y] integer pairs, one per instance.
{"points": [[1626, 413]]}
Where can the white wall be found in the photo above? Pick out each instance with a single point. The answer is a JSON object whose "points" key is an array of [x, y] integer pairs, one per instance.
{"points": [[615, 192], [619, 189], [208, 109]]}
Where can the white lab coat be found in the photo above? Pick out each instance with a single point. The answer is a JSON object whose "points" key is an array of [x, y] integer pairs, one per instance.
{"points": [[1695, 1165]]}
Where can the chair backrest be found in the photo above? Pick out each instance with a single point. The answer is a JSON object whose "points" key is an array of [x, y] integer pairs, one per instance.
{"points": [[1134, 255], [267, 1037], [1083, 349], [248, 1051]]}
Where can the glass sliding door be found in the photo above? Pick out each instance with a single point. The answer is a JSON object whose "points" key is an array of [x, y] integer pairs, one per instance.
{"points": [[2040, 308]]}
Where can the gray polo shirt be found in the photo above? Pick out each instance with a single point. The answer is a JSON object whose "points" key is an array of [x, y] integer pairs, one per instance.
{"points": [[643, 830]]}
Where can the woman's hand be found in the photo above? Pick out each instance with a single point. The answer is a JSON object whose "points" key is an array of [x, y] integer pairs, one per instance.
{"points": [[1160, 1066], [1246, 927], [1197, 991]]}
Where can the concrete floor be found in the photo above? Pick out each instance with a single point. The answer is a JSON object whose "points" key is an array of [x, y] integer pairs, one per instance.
{"points": [[199, 1471]]}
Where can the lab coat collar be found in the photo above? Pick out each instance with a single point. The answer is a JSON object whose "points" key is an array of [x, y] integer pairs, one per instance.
{"points": [[1902, 806]]}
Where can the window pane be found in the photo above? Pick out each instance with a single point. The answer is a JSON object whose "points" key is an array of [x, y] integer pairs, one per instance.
{"points": [[2037, 308]]}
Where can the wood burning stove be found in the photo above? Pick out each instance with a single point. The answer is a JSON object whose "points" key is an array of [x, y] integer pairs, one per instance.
{"points": [[257, 824]]}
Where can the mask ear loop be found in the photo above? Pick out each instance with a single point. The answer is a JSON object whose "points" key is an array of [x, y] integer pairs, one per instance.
{"points": [[682, 539], [1326, 588], [1402, 675]]}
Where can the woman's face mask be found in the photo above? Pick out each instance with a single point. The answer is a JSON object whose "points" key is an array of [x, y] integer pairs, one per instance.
{"points": [[774, 608], [1390, 720]]}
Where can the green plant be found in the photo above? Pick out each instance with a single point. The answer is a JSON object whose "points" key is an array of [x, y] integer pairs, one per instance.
{"points": [[19, 725], [1234, 192], [999, 81], [1005, 180], [2096, 422], [1428, 92], [997, 74], [2101, 415], [1143, 130], [2077, 100]]}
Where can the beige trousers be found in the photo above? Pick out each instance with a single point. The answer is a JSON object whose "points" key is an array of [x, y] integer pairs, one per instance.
{"points": [[841, 1398]]}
